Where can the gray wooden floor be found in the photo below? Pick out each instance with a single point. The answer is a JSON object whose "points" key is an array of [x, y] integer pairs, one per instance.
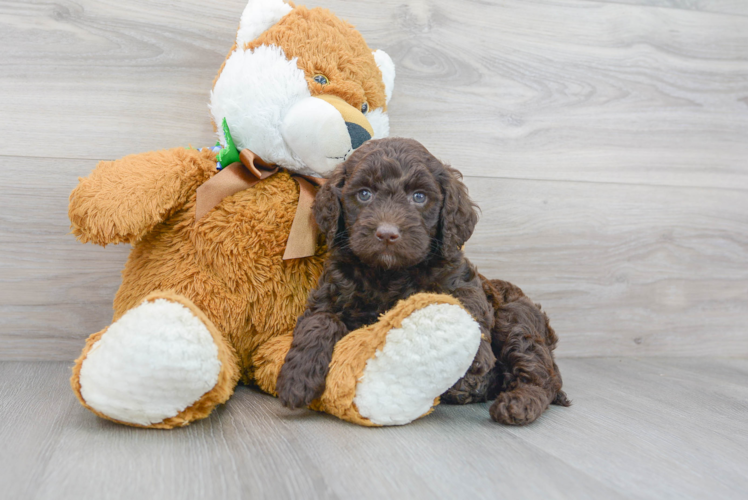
{"points": [[639, 428]]}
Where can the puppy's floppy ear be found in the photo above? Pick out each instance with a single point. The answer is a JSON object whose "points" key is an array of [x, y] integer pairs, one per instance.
{"points": [[327, 206], [458, 215]]}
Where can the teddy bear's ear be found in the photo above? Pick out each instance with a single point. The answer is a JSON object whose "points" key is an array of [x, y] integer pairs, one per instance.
{"points": [[258, 16], [387, 67]]}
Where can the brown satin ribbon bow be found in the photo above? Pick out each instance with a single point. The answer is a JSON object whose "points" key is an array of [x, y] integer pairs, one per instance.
{"points": [[302, 240]]}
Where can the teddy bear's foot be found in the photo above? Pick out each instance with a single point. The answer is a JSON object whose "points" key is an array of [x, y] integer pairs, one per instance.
{"points": [[430, 351], [395, 370], [162, 364]]}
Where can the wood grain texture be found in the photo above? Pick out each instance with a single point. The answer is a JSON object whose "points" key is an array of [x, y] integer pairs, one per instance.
{"points": [[583, 91], [620, 269], [605, 142], [54, 291], [717, 6], [644, 429], [572, 90]]}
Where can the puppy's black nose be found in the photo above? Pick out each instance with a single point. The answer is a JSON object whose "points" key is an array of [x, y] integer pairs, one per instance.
{"points": [[389, 233]]}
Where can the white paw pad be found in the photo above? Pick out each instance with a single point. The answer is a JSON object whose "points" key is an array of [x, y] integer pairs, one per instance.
{"points": [[151, 364], [431, 350]]}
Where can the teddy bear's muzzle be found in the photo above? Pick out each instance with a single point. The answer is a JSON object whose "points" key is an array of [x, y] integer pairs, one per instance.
{"points": [[324, 130]]}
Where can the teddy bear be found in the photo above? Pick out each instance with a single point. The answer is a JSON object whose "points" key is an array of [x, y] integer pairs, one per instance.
{"points": [[224, 252]]}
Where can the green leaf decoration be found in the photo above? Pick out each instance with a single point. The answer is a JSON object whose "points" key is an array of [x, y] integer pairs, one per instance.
{"points": [[229, 154]]}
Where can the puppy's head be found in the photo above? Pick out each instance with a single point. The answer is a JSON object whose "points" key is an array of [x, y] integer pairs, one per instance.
{"points": [[394, 205]]}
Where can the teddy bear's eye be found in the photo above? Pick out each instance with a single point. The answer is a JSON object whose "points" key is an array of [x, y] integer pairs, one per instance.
{"points": [[364, 108], [321, 79]]}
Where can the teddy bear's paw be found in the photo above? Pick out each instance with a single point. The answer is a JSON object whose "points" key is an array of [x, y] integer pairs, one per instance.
{"points": [[151, 364], [431, 350]]}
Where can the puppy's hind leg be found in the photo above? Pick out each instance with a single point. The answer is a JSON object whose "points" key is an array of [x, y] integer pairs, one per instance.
{"points": [[523, 342], [474, 386]]}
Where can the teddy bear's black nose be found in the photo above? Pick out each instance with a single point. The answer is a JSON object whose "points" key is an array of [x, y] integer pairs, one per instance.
{"points": [[359, 134]]}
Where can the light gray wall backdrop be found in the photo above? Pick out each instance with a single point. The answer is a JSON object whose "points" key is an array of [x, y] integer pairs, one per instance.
{"points": [[606, 143]]}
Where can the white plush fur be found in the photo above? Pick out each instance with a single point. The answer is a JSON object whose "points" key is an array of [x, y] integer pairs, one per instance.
{"points": [[254, 92], [151, 364], [316, 132], [421, 360], [378, 118], [380, 122], [258, 16], [387, 67]]}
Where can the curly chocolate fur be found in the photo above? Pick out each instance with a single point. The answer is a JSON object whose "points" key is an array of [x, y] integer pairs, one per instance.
{"points": [[526, 378], [387, 242], [302, 377]]}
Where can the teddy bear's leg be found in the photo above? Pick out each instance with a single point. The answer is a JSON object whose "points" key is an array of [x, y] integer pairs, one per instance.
{"points": [[394, 371], [268, 360], [162, 364]]}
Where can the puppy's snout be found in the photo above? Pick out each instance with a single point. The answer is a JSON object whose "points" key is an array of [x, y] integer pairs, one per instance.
{"points": [[389, 233]]}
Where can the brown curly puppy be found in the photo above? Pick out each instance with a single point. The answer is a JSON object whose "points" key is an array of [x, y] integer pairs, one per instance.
{"points": [[395, 219]]}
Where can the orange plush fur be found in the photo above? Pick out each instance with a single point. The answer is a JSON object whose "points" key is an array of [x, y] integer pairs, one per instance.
{"points": [[335, 50], [229, 264]]}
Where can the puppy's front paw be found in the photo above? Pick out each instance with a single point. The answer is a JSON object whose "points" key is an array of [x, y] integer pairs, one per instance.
{"points": [[471, 388], [521, 406], [484, 360], [296, 391]]}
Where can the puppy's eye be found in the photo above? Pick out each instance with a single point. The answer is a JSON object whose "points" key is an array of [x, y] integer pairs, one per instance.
{"points": [[363, 195], [419, 198], [321, 79], [364, 108]]}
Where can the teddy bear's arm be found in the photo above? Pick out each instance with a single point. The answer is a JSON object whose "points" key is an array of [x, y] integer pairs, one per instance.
{"points": [[124, 199]]}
